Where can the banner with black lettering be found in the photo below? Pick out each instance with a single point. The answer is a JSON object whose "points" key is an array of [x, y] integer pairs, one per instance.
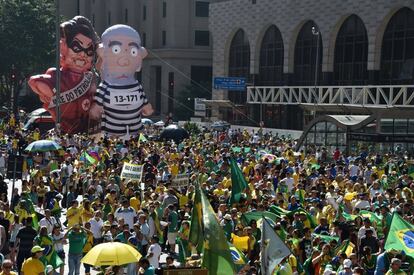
{"points": [[131, 171]]}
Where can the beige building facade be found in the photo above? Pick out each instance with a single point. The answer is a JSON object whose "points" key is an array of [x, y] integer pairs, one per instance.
{"points": [[175, 32]]}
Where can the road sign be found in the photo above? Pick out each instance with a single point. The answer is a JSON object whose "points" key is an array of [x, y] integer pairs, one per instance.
{"points": [[230, 83], [199, 107]]}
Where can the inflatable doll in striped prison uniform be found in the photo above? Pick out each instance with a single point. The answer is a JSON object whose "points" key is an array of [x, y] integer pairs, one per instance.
{"points": [[120, 99]]}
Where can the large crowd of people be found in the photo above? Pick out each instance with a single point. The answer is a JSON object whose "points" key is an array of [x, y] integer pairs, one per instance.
{"points": [[332, 210]]}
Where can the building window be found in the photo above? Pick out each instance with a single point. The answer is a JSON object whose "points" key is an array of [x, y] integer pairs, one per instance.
{"points": [[164, 38], [397, 57], [109, 18], [164, 9], [144, 39], [201, 9], [351, 53], [271, 58], [202, 38], [239, 63], [305, 56], [126, 16], [144, 13]]}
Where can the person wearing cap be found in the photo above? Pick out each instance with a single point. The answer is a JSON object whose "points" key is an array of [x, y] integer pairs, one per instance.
{"points": [[346, 268], [33, 265], [227, 225], [395, 268], [6, 268]]}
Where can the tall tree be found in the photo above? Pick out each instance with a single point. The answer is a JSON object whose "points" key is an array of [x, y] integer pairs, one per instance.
{"points": [[27, 35]]}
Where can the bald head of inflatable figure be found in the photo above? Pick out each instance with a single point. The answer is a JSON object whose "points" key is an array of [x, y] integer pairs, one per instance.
{"points": [[121, 54]]}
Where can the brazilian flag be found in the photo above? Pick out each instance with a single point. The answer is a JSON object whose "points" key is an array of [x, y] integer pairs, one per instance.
{"points": [[216, 254], [401, 235], [238, 257], [196, 225]]}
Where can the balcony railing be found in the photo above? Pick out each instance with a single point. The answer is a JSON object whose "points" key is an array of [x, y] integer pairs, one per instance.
{"points": [[352, 96]]}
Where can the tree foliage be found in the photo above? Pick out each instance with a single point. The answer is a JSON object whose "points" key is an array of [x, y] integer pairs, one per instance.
{"points": [[27, 36]]}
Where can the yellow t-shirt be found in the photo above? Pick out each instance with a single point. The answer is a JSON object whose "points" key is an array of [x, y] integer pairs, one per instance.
{"points": [[33, 266], [74, 216], [218, 192], [135, 203], [174, 169], [86, 215], [36, 136]]}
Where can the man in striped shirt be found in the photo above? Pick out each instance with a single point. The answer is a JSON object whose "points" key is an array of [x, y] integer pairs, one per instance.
{"points": [[120, 98]]}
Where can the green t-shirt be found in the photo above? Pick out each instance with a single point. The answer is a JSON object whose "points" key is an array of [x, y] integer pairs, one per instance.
{"points": [[173, 220], [76, 242]]}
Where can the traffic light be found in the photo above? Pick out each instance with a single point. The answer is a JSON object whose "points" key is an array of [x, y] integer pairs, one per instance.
{"points": [[13, 75]]}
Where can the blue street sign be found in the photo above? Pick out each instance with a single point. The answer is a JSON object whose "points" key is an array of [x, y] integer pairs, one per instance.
{"points": [[230, 83]]}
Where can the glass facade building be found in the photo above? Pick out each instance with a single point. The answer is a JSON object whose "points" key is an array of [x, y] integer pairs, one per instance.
{"points": [[352, 133]]}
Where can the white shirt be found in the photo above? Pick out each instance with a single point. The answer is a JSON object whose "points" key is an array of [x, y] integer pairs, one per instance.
{"points": [[155, 249], [289, 183], [128, 214], [48, 223], [58, 245], [96, 227], [145, 230], [362, 230], [354, 170]]}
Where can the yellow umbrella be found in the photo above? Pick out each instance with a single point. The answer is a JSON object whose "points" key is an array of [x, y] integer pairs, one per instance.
{"points": [[113, 253]]}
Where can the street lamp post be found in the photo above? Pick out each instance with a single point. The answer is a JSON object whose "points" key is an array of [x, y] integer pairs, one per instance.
{"points": [[57, 94], [316, 33]]}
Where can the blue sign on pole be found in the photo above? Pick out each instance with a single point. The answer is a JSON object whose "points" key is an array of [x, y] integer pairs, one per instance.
{"points": [[230, 83]]}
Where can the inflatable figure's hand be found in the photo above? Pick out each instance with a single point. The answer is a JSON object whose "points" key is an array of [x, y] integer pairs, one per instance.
{"points": [[95, 113], [147, 110], [41, 88]]}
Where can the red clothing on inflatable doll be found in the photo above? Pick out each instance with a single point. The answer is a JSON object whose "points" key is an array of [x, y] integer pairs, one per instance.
{"points": [[76, 95]]}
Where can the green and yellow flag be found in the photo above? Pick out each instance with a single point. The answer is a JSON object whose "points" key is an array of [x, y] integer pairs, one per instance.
{"points": [[238, 182], [196, 228], [400, 236], [217, 257]]}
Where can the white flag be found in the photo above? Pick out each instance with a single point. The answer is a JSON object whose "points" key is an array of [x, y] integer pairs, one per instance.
{"points": [[273, 250]]}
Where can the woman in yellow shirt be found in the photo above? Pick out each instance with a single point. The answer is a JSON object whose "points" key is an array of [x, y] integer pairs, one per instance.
{"points": [[86, 211], [74, 214]]}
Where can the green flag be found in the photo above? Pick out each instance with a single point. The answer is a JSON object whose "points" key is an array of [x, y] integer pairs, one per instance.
{"points": [[246, 218], [142, 138], [274, 250], [216, 253], [196, 228], [411, 170], [400, 236], [238, 182], [278, 211]]}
